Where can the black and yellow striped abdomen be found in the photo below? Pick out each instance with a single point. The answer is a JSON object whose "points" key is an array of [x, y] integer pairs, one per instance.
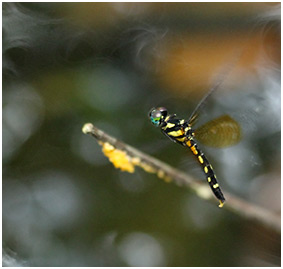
{"points": [[208, 170], [181, 132]]}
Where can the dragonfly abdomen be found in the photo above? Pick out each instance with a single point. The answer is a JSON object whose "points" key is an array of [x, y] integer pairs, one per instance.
{"points": [[208, 170]]}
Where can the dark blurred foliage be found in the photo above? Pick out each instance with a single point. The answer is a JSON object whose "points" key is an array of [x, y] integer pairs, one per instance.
{"points": [[65, 64]]}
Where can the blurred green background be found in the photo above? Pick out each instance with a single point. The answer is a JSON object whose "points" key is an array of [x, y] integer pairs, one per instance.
{"points": [[65, 64]]}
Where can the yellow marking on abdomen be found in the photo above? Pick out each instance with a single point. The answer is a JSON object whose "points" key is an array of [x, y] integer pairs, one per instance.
{"points": [[176, 133], [221, 204], [200, 159], [208, 179], [215, 185], [194, 150], [205, 169], [189, 143]]}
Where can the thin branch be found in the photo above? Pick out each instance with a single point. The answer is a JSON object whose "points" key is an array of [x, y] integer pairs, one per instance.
{"points": [[117, 151]]}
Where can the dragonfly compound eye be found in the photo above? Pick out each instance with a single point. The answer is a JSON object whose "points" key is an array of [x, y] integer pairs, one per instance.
{"points": [[163, 111], [155, 117]]}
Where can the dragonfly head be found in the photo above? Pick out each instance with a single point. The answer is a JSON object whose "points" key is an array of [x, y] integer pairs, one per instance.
{"points": [[157, 115]]}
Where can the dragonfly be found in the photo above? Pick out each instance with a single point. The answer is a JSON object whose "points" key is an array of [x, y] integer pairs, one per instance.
{"points": [[220, 132]]}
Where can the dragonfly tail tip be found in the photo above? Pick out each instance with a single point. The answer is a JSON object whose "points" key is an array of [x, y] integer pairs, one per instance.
{"points": [[221, 204]]}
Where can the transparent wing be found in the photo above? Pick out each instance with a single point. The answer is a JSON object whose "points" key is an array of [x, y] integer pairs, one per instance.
{"points": [[220, 132], [218, 83], [194, 116]]}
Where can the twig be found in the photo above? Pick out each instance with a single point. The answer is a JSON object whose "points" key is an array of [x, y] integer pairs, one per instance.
{"points": [[126, 158]]}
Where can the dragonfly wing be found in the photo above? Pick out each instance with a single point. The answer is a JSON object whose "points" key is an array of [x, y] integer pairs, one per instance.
{"points": [[218, 83], [220, 132], [193, 118]]}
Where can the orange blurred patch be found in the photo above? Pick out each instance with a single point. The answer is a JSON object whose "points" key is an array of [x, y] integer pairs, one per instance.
{"points": [[191, 63]]}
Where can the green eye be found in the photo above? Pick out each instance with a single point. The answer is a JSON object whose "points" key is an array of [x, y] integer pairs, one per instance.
{"points": [[155, 117], [155, 121]]}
